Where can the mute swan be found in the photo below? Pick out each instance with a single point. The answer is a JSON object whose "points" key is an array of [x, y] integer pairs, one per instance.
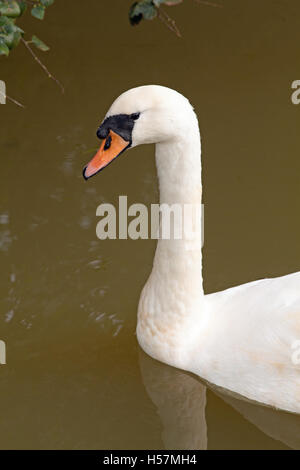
{"points": [[240, 339]]}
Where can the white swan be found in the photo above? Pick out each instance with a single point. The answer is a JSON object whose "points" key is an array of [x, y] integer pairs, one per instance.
{"points": [[241, 338]]}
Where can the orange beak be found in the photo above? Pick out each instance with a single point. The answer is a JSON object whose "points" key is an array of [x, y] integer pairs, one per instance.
{"points": [[110, 149]]}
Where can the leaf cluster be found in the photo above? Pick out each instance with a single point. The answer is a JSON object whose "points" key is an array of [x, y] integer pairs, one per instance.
{"points": [[10, 12], [147, 9]]}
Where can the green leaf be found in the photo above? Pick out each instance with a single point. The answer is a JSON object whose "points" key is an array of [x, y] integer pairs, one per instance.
{"points": [[39, 44], [11, 9], [38, 12], [47, 3], [10, 35], [134, 17], [23, 6], [4, 50], [16, 40], [9, 28], [4, 20], [7, 38], [17, 29], [142, 9]]}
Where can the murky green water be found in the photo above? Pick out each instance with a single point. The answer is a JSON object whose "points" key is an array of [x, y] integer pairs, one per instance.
{"points": [[75, 377]]}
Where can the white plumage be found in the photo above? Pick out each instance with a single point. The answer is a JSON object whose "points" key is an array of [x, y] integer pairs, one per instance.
{"points": [[240, 339]]}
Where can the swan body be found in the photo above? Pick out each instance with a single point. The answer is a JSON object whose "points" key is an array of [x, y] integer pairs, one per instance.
{"points": [[240, 339]]}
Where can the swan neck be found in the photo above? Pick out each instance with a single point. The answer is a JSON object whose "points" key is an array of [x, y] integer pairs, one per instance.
{"points": [[172, 298], [179, 169]]}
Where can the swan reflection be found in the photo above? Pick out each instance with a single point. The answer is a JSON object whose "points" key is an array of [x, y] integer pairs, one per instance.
{"points": [[180, 400]]}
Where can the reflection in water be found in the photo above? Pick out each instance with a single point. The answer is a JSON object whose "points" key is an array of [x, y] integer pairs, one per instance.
{"points": [[180, 400], [280, 425]]}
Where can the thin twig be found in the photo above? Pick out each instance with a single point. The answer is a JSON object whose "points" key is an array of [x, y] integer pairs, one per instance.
{"points": [[209, 3], [169, 22], [26, 43], [11, 99]]}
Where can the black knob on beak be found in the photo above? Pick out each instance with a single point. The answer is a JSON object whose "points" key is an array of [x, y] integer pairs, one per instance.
{"points": [[101, 133]]}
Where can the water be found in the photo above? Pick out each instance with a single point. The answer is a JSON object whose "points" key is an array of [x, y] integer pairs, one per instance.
{"points": [[75, 376]]}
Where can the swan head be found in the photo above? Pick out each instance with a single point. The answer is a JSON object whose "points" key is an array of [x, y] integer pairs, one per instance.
{"points": [[143, 115]]}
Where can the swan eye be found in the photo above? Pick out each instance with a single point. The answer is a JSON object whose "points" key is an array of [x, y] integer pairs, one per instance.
{"points": [[107, 142], [135, 116]]}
